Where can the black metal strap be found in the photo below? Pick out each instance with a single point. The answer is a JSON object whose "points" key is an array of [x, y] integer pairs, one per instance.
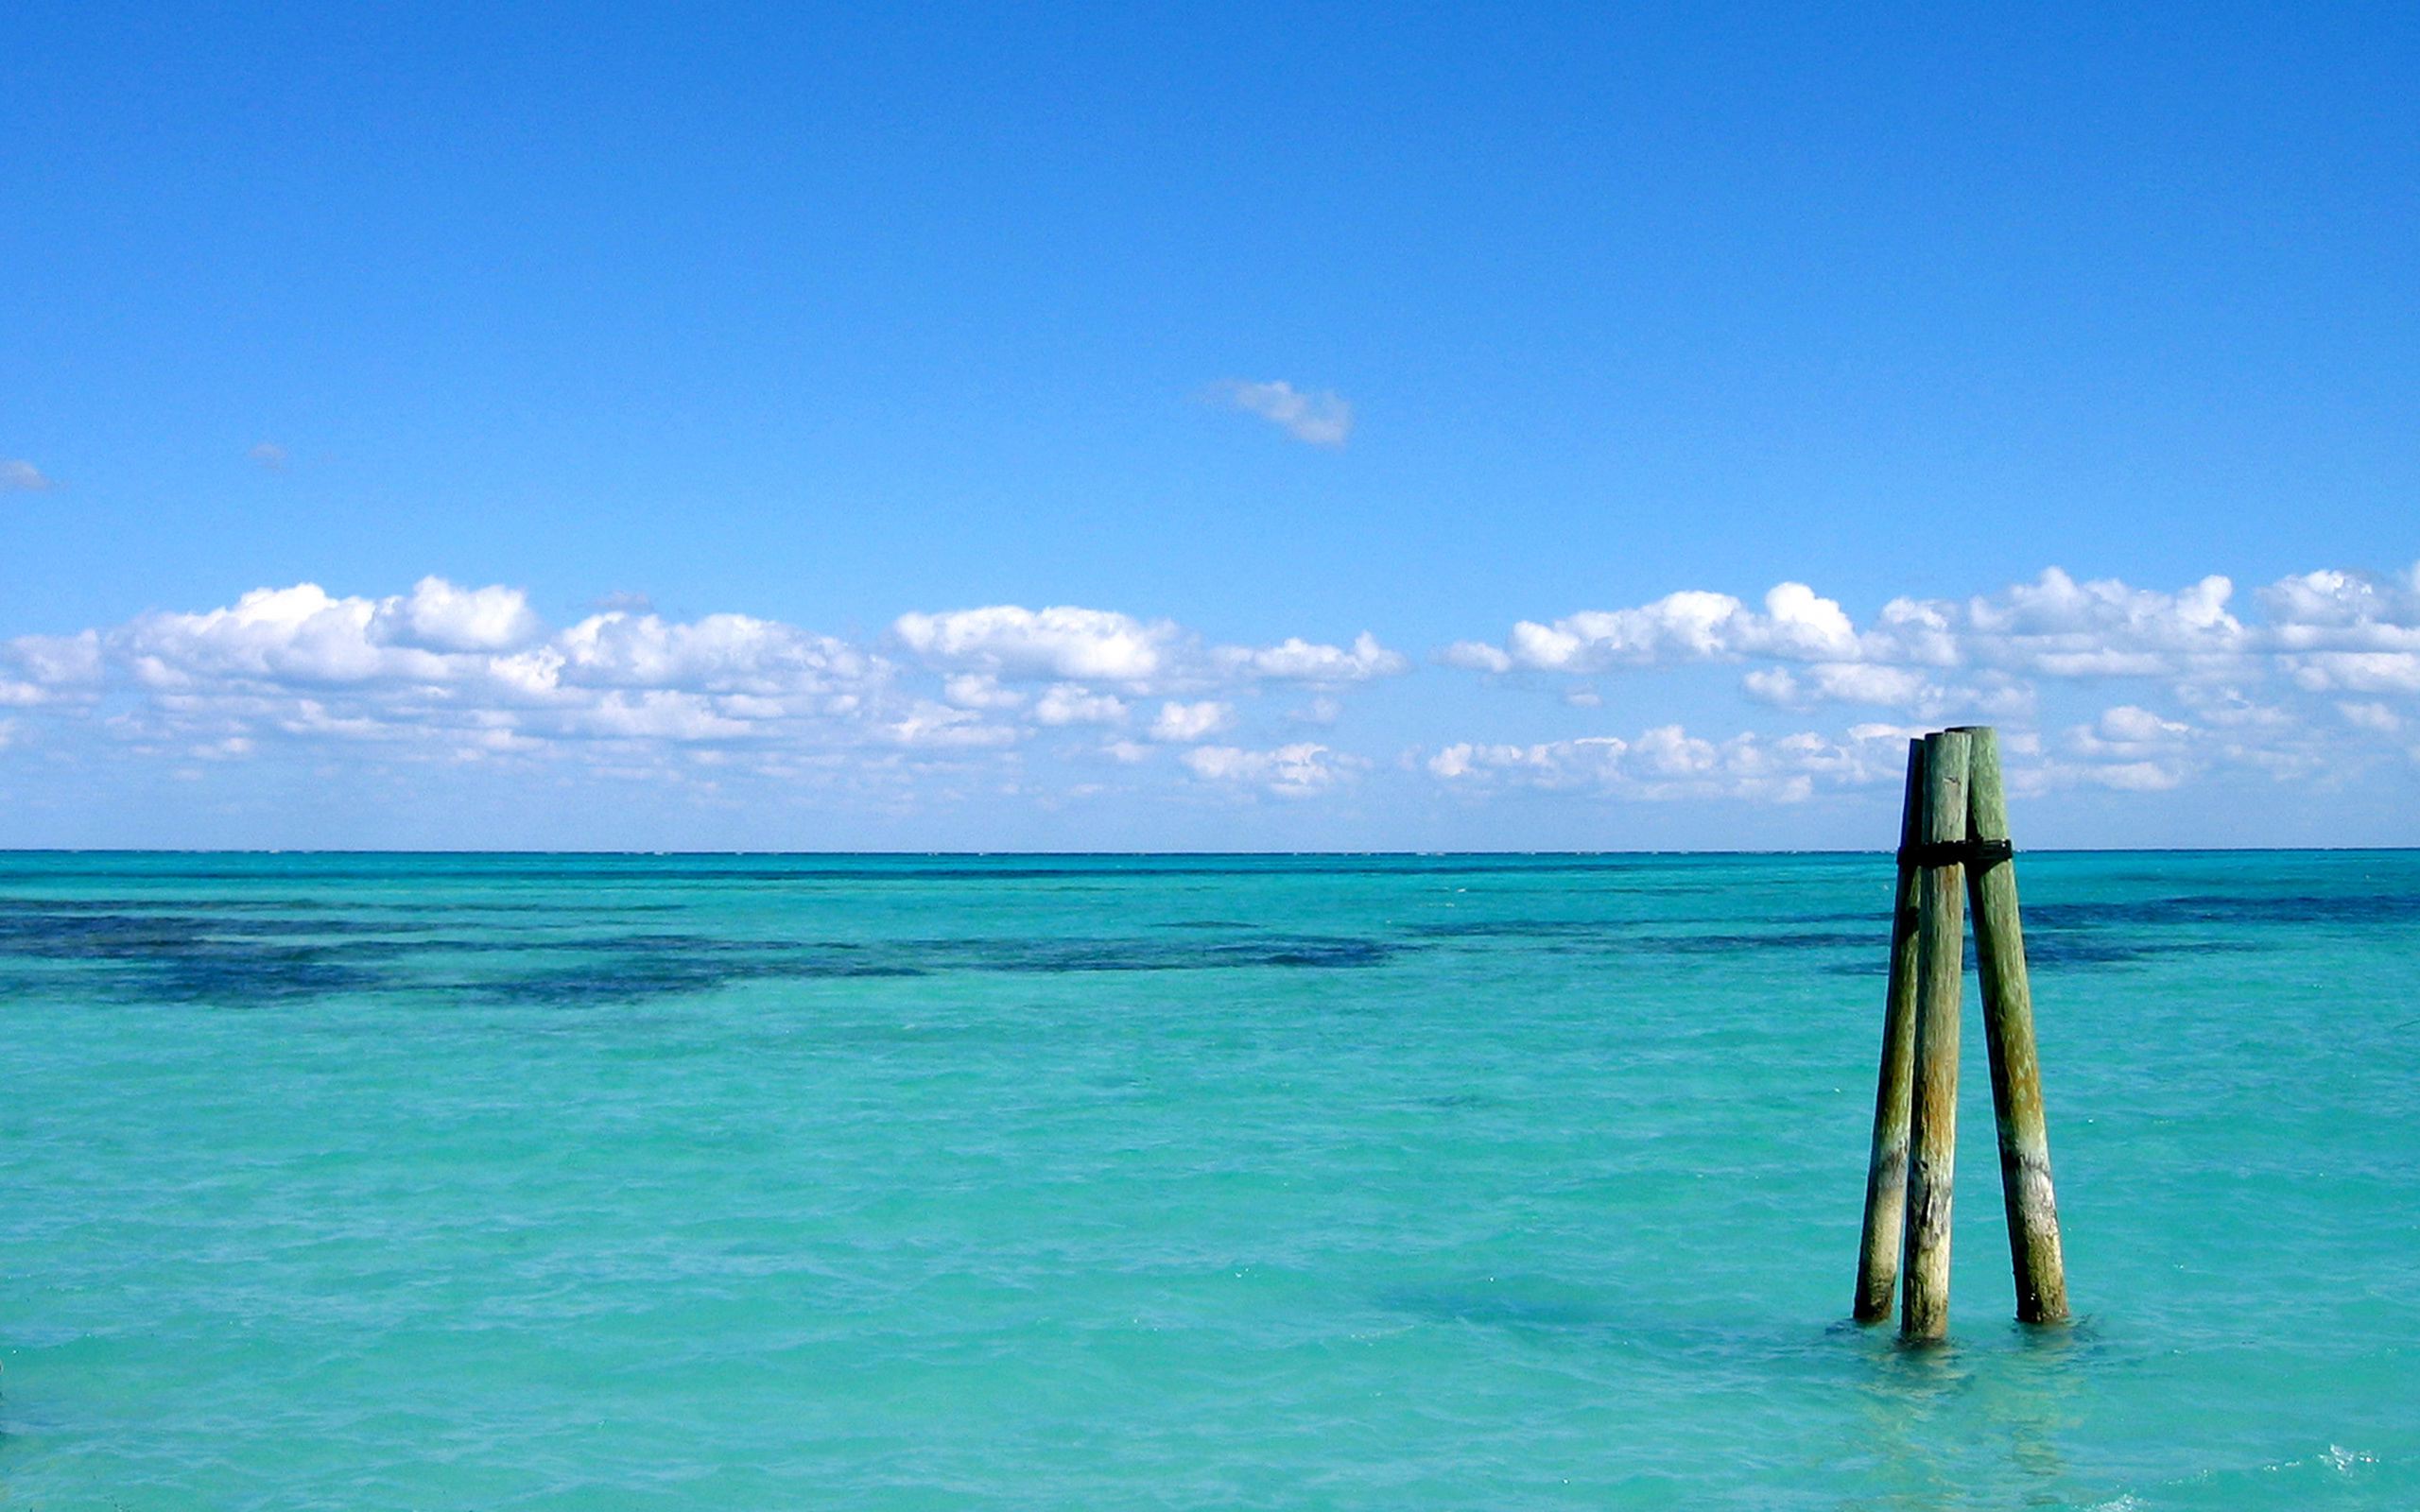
{"points": [[1978, 854]]}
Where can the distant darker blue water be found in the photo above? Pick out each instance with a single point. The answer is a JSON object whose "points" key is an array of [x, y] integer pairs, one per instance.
{"points": [[1185, 1181]]}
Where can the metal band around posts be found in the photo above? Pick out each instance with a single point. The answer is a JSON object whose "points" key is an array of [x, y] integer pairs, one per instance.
{"points": [[1978, 854]]}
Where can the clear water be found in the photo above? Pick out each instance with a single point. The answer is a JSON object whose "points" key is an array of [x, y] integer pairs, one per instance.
{"points": [[412, 1182]]}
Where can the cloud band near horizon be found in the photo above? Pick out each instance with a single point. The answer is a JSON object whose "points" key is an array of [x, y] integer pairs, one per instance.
{"points": [[2098, 685]]}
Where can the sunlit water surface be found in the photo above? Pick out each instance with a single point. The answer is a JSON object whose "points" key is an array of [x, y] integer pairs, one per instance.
{"points": [[1396, 1183]]}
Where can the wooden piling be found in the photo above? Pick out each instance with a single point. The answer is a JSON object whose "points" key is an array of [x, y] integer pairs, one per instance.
{"points": [[2008, 1030], [1885, 1172], [1941, 949]]}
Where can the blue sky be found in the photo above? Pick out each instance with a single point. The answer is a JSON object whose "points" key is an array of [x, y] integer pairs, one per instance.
{"points": [[687, 422]]}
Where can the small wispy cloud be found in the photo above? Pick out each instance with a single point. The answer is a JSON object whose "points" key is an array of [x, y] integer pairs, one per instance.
{"points": [[270, 454], [1321, 418], [1191, 721], [18, 476]]}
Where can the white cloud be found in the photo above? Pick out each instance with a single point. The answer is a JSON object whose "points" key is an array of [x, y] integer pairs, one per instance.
{"points": [[449, 667], [1191, 721], [1668, 764], [295, 635], [1008, 641], [451, 671], [657, 714], [57, 661], [2146, 690], [1298, 770], [2374, 717], [2340, 610], [2357, 671], [1865, 682], [1300, 660], [979, 690], [2133, 777], [438, 616], [2061, 628], [1320, 419], [268, 454], [2128, 725], [1068, 704], [49, 669], [2326, 630], [1476, 656], [1690, 626], [2127, 748], [935, 724], [20, 476], [717, 653]]}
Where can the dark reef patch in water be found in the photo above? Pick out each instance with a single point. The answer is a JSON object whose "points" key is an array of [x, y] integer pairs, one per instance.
{"points": [[185, 958], [2063, 949], [667, 970], [1786, 939], [242, 959], [635, 967], [2235, 909], [1520, 928]]}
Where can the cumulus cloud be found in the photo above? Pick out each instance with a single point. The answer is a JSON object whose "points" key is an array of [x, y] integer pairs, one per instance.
{"points": [[2329, 630], [1069, 704], [462, 672], [1191, 721], [1010, 643], [2371, 716], [269, 455], [2357, 671], [438, 616], [1299, 661], [1299, 771], [54, 665], [20, 476], [446, 667], [1667, 763], [1075, 645], [1690, 626], [2065, 628], [720, 653], [979, 690], [1320, 419], [295, 635], [934, 724], [1911, 690], [2096, 684]]}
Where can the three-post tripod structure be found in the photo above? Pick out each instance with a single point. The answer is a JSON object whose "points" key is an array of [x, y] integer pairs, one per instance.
{"points": [[1954, 849]]}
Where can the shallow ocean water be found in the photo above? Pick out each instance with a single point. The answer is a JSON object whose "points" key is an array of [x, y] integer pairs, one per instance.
{"points": [[1092, 1182]]}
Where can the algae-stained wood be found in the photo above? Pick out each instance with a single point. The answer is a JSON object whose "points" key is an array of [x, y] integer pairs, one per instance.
{"points": [[1940, 951], [2008, 1030], [1885, 1172]]}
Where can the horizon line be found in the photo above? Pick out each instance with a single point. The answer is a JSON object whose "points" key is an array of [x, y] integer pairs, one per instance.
{"points": [[1080, 855]]}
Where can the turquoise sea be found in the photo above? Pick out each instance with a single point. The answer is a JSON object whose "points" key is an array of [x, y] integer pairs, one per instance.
{"points": [[1185, 1182]]}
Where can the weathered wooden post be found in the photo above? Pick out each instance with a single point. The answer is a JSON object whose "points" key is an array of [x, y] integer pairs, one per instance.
{"points": [[1885, 1172], [1954, 846], [2008, 1030], [1940, 950]]}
